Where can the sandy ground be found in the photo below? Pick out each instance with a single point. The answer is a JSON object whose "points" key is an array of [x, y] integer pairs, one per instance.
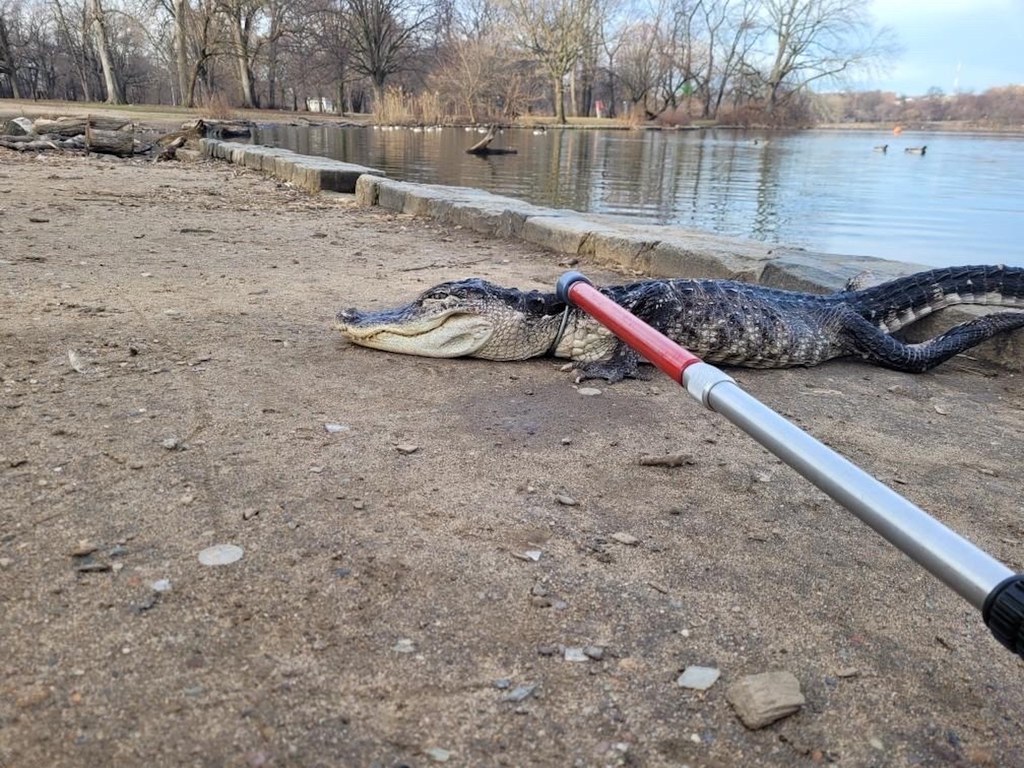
{"points": [[168, 367]]}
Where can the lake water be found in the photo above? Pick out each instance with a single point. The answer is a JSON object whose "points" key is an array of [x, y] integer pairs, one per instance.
{"points": [[961, 203]]}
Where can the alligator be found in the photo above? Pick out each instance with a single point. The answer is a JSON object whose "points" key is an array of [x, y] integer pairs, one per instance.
{"points": [[721, 321]]}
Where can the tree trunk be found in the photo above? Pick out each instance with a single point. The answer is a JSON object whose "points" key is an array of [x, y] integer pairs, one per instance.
{"points": [[99, 29], [559, 101], [7, 63], [186, 85]]}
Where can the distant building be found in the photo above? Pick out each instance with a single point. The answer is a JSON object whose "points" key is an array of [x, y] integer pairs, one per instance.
{"points": [[319, 105]]}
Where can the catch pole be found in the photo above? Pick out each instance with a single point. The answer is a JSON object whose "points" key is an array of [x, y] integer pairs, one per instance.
{"points": [[971, 572]]}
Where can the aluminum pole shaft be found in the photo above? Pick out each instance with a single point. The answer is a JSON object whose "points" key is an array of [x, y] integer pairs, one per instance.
{"points": [[966, 569]]}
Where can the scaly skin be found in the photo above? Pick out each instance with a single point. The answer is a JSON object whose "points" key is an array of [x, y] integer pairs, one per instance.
{"points": [[721, 321]]}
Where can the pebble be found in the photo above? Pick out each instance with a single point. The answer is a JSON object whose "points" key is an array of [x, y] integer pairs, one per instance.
{"points": [[760, 700], [249, 514], [575, 654], [521, 692], [404, 645], [84, 549], [6, 562], [668, 460], [92, 567], [698, 678], [161, 585], [595, 652], [221, 554], [406, 448], [438, 755], [625, 538], [565, 500], [172, 444], [333, 429], [589, 391]]}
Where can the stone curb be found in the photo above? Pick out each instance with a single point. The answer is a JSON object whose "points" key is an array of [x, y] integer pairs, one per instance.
{"points": [[656, 251], [313, 174]]}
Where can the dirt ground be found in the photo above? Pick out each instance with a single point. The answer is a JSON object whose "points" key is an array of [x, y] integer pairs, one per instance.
{"points": [[171, 380]]}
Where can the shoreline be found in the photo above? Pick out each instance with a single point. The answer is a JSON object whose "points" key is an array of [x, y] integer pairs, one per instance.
{"points": [[442, 559]]}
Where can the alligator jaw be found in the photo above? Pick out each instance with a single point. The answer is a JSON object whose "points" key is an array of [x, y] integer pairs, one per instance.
{"points": [[451, 334]]}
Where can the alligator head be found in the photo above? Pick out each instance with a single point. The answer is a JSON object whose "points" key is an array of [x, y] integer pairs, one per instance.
{"points": [[462, 318]]}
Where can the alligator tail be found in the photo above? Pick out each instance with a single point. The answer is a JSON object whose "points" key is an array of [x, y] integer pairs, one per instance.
{"points": [[897, 303], [878, 347]]}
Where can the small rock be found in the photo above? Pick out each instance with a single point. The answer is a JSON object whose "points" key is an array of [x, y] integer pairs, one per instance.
{"points": [[6, 562], [172, 444], [595, 652], [565, 500], [406, 448], [698, 678], [575, 654], [520, 692], [437, 754], [333, 429], [84, 549], [760, 700], [249, 514], [161, 585], [221, 554], [589, 391], [92, 567], [532, 554], [668, 460], [404, 645], [625, 538], [502, 683]]}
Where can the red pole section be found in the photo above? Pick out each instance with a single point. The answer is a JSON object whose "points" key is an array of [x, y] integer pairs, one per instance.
{"points": [[656, 347]]}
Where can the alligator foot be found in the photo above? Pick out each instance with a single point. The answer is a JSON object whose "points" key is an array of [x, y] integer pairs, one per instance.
{"points": [[624, 364]]}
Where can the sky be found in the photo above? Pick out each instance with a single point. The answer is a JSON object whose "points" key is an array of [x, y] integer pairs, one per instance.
{"points": [[965, 45]]}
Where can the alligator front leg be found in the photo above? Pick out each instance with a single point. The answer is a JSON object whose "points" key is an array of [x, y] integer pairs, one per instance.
{"points": [[624, 363], [876, 346]]}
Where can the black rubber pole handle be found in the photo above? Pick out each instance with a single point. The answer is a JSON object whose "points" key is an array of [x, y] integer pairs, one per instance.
{"points": [[1003, 613]]}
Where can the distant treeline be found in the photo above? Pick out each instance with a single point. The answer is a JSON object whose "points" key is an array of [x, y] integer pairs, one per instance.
{"points": [[997, 108], [439, 61]]}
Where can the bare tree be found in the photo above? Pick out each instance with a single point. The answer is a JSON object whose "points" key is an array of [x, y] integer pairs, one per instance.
{"points": [[637, 69], [812, 40], [8, 53], [730, 32], [98, 21], [242, 18], [555, 32], [383, 37]]}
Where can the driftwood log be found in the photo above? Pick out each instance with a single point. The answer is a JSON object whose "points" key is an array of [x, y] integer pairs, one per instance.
{"points": [[75, 126], [483, 146], [101, 134], [219, 129]]}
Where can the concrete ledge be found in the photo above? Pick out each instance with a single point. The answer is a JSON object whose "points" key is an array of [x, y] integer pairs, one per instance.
{"points": [[657, 251], [313, 174]]}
